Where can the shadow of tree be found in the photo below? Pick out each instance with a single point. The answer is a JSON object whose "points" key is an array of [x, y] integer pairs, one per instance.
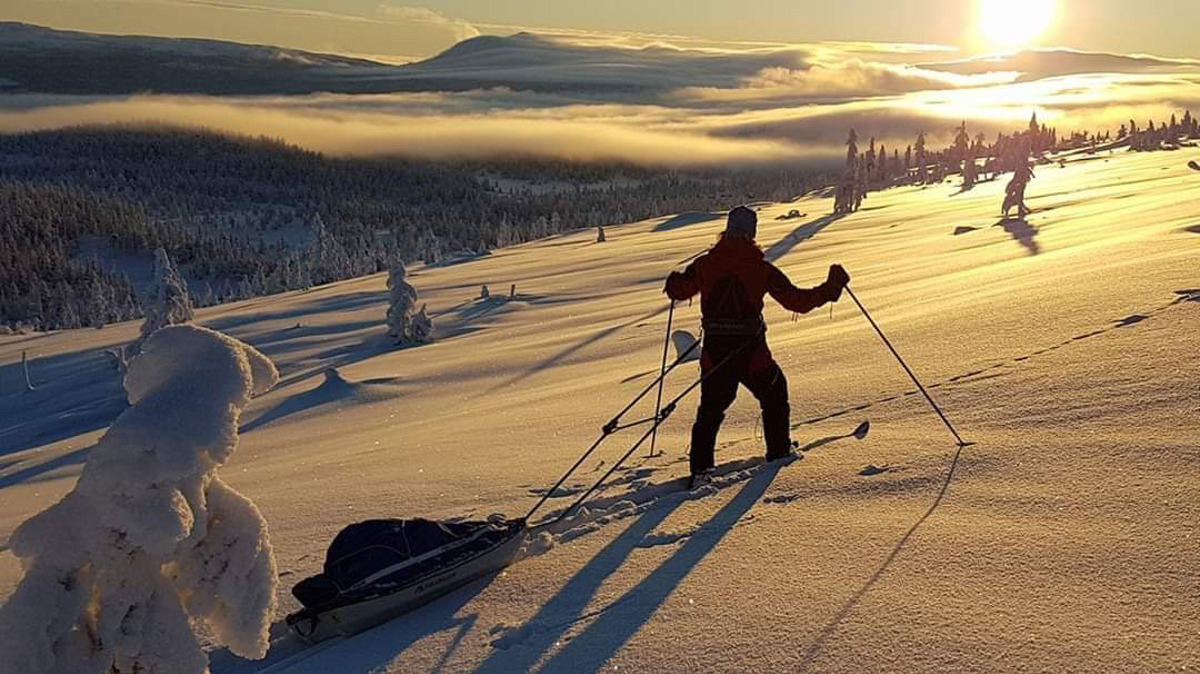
{"points": [[76, 392], [800, 235], [564, 353], [686, 220], [31, 473], [338, 303]]}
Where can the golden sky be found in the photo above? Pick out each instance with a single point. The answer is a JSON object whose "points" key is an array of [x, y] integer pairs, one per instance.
{"points": [[391, 29], [698, 82]]}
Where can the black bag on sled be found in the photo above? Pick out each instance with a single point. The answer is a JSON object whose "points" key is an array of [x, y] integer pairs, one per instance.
{"points": [[371, 558]]}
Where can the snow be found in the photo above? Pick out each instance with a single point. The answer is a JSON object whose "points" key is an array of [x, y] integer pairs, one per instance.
{"points": [[151, 537], [1063, 540]]}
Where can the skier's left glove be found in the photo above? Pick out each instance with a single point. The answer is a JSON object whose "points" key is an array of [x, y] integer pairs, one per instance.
{"points": [[836, 282]]}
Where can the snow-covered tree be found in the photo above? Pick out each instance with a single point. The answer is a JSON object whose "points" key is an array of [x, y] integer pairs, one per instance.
{"points": [[962, 142], [484, 293], [600, 234], [402, 316], [169, 302], [151, 542], [919, 150], [328, 260]]}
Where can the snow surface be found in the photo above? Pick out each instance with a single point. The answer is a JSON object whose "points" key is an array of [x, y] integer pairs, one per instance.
{"points": [[1064, 541]]}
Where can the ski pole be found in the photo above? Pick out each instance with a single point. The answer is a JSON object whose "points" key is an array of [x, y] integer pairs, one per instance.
{"points": [[609, 428], [662, 376], [961, 442], [659, 420]]}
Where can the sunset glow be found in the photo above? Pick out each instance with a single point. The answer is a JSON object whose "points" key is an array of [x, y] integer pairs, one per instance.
{"points": [[1013, 24]]}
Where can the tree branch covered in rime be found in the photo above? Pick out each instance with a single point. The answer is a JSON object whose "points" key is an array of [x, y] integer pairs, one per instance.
{"points": [[151, 540]]}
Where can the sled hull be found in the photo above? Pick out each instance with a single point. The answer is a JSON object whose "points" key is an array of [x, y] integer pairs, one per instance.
{"points": [[315, 625]]}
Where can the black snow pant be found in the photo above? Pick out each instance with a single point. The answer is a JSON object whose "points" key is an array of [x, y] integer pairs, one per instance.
{"points": [[754, 368]]}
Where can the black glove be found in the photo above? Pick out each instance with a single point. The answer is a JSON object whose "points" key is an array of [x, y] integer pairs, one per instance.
{"points": [[836, 282]]}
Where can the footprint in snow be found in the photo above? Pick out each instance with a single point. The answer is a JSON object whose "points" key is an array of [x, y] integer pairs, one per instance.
{"points": [[561, 492], [655, 540]]}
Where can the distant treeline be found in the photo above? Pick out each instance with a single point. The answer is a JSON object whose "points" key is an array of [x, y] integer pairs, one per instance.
{"points": [[245, 217], [973, 157]]}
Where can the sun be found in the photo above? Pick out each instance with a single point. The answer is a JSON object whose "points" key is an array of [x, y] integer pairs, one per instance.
{"points": [[1012, 24]]}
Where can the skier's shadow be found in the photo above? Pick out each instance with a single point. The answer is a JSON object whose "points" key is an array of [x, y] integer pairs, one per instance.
{"points": [[613, 625], [1023, 232], [830, 629]]}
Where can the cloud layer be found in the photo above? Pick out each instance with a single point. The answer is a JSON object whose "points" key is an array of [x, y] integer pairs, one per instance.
{"points": [[657, 103]]}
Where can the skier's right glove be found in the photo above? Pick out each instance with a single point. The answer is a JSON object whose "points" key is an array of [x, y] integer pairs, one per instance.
{"points": [[836, 282]]}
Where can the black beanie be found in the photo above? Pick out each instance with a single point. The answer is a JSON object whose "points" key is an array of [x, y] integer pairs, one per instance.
{"points": [[743, 221]]}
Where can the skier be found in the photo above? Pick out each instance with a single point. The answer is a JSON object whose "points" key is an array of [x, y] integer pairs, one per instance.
{"points": [[1015, 191], [732, 280]]}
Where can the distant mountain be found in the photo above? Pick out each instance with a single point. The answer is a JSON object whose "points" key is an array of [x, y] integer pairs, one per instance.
{"points": [[1039, 63], [42, 60], [533, 61]]}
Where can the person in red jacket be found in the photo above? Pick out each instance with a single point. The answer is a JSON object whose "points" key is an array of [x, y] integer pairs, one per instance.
{"points": [[732, 280]]}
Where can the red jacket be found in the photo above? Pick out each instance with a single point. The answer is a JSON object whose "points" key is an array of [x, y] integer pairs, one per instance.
{"points": [[732, 280]]}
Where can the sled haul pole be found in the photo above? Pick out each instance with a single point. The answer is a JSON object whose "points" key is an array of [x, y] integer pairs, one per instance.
{"points": [[961, 442]]}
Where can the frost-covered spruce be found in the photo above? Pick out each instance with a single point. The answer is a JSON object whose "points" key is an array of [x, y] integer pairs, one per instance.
{"points": [[402, 305], [484, 293], [169, 302], [328, 260], [151, 541], [600, 234]]}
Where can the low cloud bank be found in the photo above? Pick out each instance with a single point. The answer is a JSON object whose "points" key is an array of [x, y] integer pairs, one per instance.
{"points": [[659, 104], [604, 136]]}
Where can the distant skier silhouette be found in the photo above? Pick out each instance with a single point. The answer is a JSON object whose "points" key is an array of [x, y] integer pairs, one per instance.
{"points": [[732, 280], [1014, 196]]}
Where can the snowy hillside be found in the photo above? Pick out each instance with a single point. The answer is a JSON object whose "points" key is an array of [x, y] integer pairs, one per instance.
{"points": [[1064, 541]]}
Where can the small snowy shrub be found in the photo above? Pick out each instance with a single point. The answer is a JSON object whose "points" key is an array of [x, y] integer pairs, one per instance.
{"points": [[421, 328], [484, 293], [151, 541]]}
